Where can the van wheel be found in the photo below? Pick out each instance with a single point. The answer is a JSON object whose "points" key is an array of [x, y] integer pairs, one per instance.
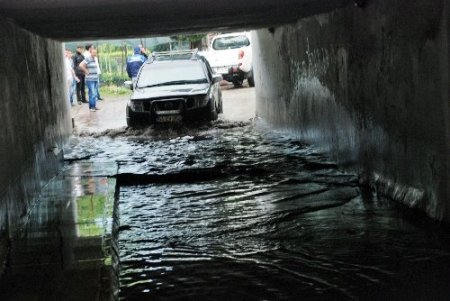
{"points": [[238, 83], [251, 81]]}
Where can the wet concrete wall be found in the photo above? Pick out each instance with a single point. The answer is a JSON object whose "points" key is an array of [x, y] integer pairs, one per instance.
{"points": [[371, 85], [34, 121]]}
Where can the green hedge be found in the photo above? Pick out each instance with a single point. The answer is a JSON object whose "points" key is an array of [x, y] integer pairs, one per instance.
{"points": [[116, 78]]}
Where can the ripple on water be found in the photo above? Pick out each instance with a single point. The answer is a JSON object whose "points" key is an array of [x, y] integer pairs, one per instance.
{"points": [[240, 213]]}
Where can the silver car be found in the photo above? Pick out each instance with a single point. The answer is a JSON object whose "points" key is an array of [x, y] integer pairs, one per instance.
{"points": [[174, 87]]}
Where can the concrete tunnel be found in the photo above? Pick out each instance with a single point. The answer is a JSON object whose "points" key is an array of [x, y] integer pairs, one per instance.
{"points": [[368, 81]]}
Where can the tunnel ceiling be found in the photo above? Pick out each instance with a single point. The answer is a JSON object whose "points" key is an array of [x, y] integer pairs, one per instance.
{"points": [[88, 19]]}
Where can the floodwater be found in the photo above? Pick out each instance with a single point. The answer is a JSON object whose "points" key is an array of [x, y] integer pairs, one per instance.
{"points": [[238, 211]]}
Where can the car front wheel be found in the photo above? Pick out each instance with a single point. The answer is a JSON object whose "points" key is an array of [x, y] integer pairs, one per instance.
{"points": [[220, 109], [132, 119], [211, 110]]}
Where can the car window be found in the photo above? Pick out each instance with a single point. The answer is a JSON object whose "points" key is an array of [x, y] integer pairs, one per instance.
{"points": [[168, 73], [208, 67], [232, 42]]}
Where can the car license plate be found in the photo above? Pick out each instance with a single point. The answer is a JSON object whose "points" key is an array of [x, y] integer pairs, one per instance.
{"points": [[222, 70], [169, 118]]}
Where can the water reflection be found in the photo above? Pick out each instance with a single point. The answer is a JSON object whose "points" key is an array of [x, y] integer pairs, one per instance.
{"points": [[60, 249]]}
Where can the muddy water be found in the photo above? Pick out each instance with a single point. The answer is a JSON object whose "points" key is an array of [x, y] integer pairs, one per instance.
{"points": [[238, 212]]}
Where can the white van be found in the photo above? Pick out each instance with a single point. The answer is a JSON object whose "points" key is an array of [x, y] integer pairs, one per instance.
{"points": [[231, 56]]}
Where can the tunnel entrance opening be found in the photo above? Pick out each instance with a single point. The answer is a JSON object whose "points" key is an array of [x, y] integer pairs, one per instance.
{"points": [[114, 60]]}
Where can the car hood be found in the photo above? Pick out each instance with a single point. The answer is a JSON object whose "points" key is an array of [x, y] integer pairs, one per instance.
{"points": [[170, 91]]}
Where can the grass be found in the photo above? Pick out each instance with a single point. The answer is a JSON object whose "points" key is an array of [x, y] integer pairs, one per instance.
{"points": [[113, 90]]}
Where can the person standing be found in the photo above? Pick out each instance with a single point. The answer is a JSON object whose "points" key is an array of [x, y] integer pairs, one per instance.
{"points": [[87, 49], [99, 72], [89, 67], [134, 63], [86, 52], [71, 77], [81, 90]]}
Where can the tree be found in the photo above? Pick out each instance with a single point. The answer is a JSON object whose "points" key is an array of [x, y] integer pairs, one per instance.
{"points": [[194, 40]]}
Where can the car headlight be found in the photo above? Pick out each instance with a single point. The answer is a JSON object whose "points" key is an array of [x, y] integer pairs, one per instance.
{"points": [[137, 106], [201, 100], [197, 101]]}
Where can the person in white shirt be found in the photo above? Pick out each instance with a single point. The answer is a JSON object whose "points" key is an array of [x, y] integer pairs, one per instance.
{"points": [[71, 78]]}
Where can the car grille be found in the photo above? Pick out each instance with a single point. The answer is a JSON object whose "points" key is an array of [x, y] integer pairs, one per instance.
{"points": [[167, 106], [147, 106], [159, 105]]}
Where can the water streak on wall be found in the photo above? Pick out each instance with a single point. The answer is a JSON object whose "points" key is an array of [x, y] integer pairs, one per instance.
{"points": [[34, 121], [370, 85]]}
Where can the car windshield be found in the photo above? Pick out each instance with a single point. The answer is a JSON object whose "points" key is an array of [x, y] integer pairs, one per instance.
{"points": [[232, 42], [165, 74]]}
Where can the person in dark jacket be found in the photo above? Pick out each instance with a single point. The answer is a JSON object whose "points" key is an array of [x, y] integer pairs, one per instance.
{"points": [[134, 63], [81, 90]]}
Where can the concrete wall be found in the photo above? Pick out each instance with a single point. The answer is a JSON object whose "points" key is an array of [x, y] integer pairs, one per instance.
{"points": [[34, 120], [370, 85]]}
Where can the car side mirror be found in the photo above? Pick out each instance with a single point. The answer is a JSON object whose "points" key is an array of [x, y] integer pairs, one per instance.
{"points": [[128, 84], [217, 78]]}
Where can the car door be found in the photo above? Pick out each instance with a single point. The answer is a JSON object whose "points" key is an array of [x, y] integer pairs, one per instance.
{"points": [[215, 87]]}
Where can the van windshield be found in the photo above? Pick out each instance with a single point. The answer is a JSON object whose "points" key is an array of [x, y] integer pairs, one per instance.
{"points": [[231, 42]]}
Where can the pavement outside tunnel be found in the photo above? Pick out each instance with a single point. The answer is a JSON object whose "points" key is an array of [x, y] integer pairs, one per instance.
{"points": [[238, 105]]}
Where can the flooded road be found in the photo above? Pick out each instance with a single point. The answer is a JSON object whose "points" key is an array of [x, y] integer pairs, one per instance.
{"points": [[225, 221], [234, 210]]}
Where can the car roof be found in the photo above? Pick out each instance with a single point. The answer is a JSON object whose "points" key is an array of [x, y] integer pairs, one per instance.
{"points": [[232, 34], [175, 62], [174, 55]]}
